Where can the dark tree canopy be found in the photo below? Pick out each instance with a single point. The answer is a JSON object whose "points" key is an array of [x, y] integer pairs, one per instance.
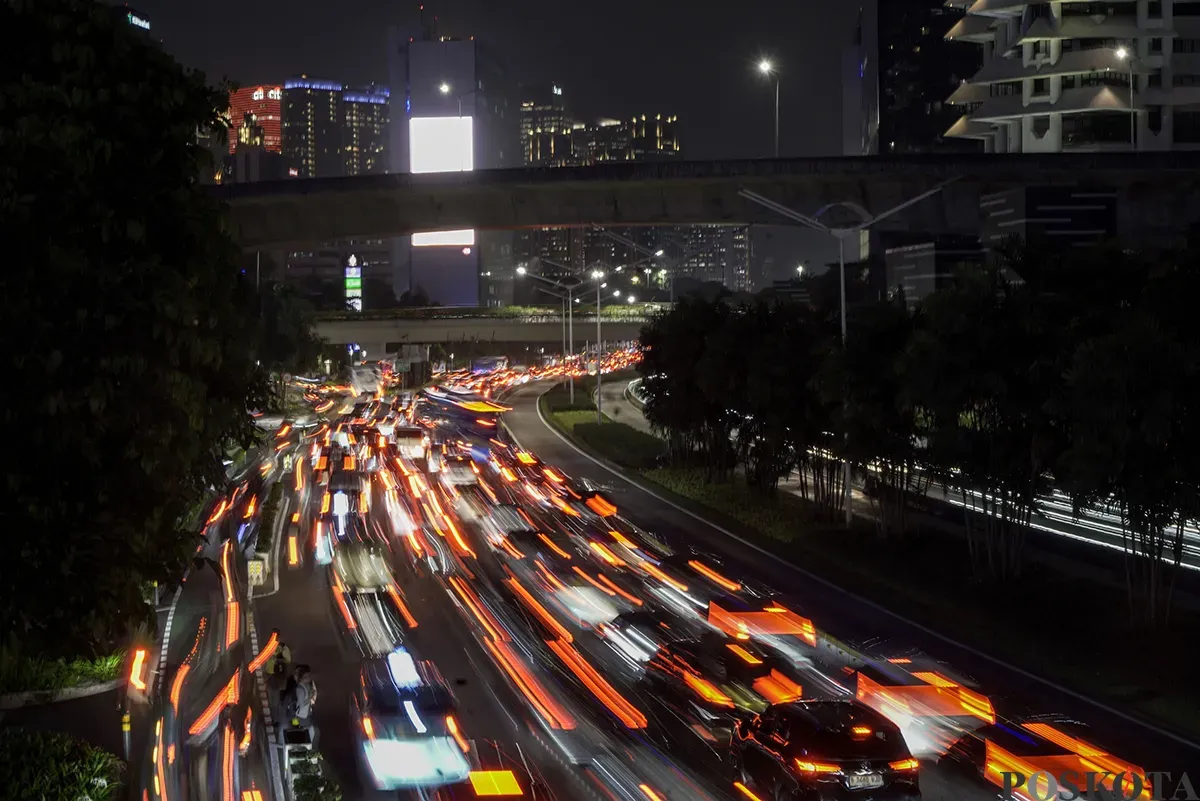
{"points": [[131, 337]]}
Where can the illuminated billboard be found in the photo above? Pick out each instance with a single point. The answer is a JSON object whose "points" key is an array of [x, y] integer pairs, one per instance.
{"points": [[354, 284], [441, 144], [266, 104], [436, 238]]}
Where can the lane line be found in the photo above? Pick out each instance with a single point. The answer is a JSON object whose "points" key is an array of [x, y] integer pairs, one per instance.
{"points": [[166, 638], [273, 747], [868, 603]]}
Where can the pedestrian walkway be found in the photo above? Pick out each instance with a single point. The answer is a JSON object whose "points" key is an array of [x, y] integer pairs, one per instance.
{"points": [[615, 403]]}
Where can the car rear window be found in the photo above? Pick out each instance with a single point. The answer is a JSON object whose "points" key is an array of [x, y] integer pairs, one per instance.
{"points": [[842, 731]]}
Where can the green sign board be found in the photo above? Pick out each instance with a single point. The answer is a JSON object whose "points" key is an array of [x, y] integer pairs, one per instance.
{"points": [[353, 283]]}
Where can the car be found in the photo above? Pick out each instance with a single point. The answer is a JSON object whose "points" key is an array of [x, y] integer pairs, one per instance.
{"points": [[824, 750], [405, 728]]}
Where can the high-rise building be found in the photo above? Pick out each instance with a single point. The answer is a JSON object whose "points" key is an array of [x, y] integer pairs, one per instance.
{"points": [[456, 117], [545, 126], [312, 128], [897, 75], [1071, 76], [641, 138], [264, 106], [365, 130]]}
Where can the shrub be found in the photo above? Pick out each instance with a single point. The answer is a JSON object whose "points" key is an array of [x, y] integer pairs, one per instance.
{"points": [[312, 782], [21, 673], [270, 510], [621, 443], [45, 766]]}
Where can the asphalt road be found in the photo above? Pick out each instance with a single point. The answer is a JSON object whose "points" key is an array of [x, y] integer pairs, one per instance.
{"points": [[846, 617], [489, 713]]}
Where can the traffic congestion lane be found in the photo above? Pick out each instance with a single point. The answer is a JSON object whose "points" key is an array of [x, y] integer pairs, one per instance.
{"points": [[302, 611], [844, 616]]}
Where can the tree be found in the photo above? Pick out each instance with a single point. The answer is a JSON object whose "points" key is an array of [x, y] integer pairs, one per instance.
{"points": [[289, 343], [984, 369], [866, 386], [1134, 424], [130, 332]]}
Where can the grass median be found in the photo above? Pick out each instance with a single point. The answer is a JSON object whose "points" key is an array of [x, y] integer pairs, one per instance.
{"points": [[21, 673], [1066, 629], [617, 442]]}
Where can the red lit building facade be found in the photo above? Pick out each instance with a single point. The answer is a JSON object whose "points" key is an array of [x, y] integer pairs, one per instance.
{"points": [[266, 104]]}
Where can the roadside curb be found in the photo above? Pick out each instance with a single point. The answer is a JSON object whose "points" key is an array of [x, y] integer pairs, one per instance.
{"points": [[665, 496], [25, 698]]}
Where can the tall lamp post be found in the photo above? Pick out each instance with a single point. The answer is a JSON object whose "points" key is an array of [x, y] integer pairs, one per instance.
{"points": [[840, 234], [446, 89], [768, 69], [598, 275], [1128, 55], [569, 301]]}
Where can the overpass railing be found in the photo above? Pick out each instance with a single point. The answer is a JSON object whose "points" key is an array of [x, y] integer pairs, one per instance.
{"points": [[637, 313]]}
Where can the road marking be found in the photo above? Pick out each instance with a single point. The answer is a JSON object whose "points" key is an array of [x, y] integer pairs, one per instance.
{"points": [[166, 638], [870, 604], [268, 717]]}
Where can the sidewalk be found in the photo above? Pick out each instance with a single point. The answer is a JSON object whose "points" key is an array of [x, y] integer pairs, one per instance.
{"points": [[615, 403]]}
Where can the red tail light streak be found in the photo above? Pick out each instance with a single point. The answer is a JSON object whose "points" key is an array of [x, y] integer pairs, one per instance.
{"points": [[626, 712]]}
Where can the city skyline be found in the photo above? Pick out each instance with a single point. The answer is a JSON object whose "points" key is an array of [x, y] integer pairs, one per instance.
{"points": [[724, 105]]}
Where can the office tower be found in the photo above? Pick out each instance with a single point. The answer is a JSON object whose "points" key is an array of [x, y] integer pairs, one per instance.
{"points": [[456, 118], [264, 106], [365, 130], [896, 76], [1071, 76], [545, 126], [312, 128]]}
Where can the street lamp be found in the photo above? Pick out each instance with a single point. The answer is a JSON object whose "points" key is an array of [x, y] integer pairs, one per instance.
{"points": [[597, 275], [840, 234], [446, 89], [1127, 55], [568, 314], [799, 270], [768, 69]]}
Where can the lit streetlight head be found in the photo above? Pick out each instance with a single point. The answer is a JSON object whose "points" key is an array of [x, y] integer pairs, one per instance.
{"points": [[597, 274], [616, 293], [1122, 53], [630, 299], [444, 88], [658, 253], [521, 271], [800, 269], [766, 67]]}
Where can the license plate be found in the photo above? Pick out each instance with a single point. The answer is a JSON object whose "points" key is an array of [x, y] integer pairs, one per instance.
{"points": [[864, 781]]}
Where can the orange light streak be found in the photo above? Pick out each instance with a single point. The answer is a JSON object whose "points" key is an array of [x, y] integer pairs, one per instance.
{"points": [[707, 690], [778, 688], [653, 570], [249, 513], [220, 510], [744, 790], [714, 576], [409, 620], [623, 540], [135, 670], [539, 611], [227, 764], [653, 796], [607, 582], [452, 725], [226, 696], [177, 684], [226, 572], [293, 551], [553, 476], [458, 538], [606, 555], [232, 623], [545, 705], [628, 714], [593, 582], [475, 606], [553, 546], [747, 657], [601, 506], [244, 745], [268, 650]]}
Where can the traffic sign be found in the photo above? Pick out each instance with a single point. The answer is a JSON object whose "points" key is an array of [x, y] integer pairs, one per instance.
{"points": [[256, 571]]}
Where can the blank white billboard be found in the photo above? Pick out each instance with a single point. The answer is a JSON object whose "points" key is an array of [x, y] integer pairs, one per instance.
{"points": [[458, 238], [441, 144]]}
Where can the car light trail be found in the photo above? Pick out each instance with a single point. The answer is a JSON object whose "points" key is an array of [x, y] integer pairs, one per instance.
{"points": [[228, 695], [551, 712], [136, 670], [553, 546], [477, 609], [409, 620], [607, 582], [649, 793], [228, 754], [271, 646], [538, 610], [745, 791], [177, 685], [714, 576], [160, 772], [628, 714], [606, 555], [593, 582], [653, 570]]}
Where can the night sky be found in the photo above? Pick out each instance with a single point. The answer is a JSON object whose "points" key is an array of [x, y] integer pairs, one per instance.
{"points": [[614, 58]]}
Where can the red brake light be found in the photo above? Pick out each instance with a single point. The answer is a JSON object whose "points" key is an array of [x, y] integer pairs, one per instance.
{"points": [[861, 731], [816, 767], [904, 764]]}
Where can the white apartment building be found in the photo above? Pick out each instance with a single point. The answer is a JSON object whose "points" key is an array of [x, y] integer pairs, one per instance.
{"points": [[1079, 76]]}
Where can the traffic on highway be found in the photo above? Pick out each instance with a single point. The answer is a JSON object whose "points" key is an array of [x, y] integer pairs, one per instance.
{"points": [[464, 619]]}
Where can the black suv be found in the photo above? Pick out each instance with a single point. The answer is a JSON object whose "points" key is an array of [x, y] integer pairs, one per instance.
{"points": [[825, 751]]}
